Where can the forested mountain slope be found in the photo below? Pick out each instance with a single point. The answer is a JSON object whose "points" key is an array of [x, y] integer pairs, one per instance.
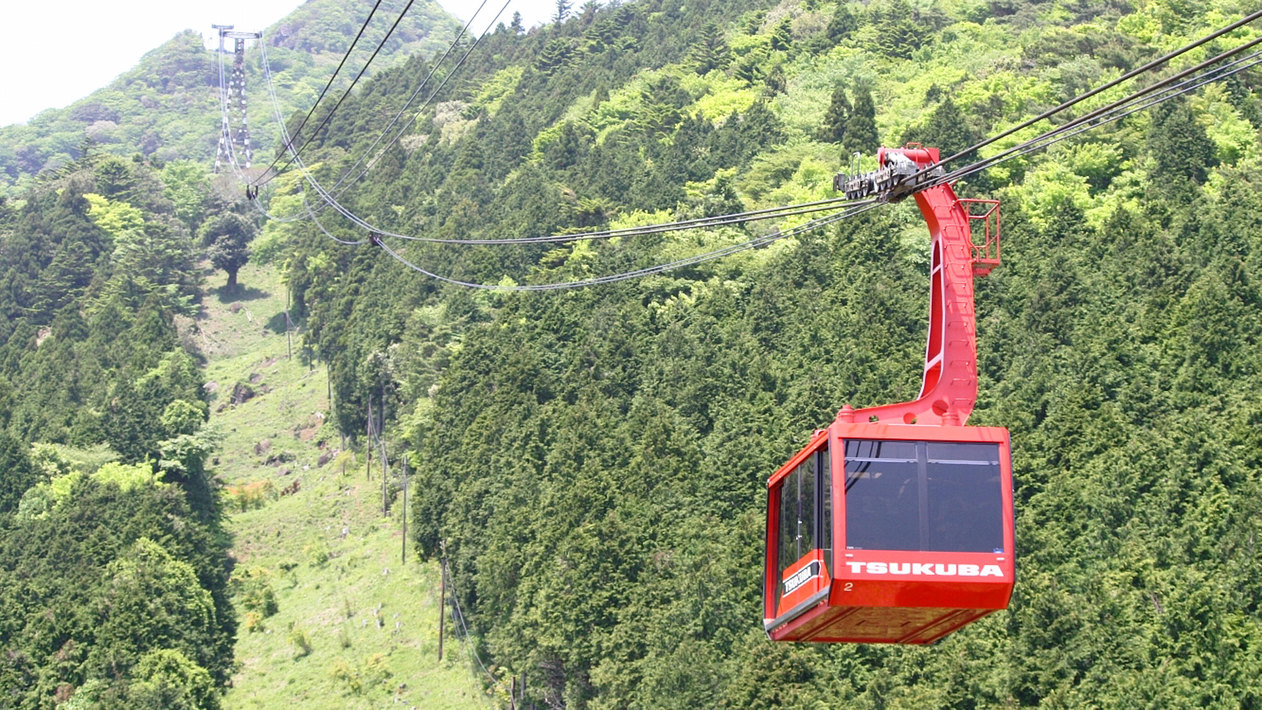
{"points": [[595, 460], [167, 106], [114, 569], [592, 462]]}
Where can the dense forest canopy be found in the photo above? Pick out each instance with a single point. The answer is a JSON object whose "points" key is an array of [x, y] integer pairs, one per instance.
{"points": [[114, 573], [592, 463]]}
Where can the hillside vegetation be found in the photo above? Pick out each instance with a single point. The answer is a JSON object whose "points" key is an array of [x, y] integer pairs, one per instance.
{"points": [[118, 578], [114, 573], [595, 460], [330, 614], [590, 464]]}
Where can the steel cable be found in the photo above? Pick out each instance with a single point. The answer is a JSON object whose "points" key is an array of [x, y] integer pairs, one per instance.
{"points": [[328, 84]]}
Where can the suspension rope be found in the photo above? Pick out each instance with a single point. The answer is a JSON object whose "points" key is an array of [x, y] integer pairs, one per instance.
{"points": [[854, 209], [328, 84], [328, 116], [416, 92], [1109, 114], [1105, 87], [752, 215], [1164, 90], [458, 615], [1120, 103]]}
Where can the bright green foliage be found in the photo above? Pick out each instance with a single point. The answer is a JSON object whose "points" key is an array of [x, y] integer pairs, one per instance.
{"points": [[126, 478], [120, 220], [595, 461], [183, 417], [113, 593], [187, 185], [110, 553], [167, 107], [167, 680], [253, 588]]}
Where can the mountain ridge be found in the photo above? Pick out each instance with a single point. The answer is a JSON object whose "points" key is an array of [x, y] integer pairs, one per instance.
{"points": [[167, 107]]}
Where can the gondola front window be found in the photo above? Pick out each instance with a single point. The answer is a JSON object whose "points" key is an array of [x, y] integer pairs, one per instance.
{"points": [[918, 495]]}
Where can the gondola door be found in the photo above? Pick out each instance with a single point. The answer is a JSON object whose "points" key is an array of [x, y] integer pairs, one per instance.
{"points": [[800, 532]]}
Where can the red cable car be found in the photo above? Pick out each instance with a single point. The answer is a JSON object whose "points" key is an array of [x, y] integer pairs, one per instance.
{"points": [[894, 524]]}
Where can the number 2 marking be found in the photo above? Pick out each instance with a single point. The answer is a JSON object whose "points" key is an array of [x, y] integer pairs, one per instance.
{"points": [[849, 586]]}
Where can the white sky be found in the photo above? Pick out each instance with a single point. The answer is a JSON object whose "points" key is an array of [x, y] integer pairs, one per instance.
{"points": [[53, 53]]}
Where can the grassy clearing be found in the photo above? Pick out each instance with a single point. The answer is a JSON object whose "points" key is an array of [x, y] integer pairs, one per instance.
{"points": [[330, 614]]}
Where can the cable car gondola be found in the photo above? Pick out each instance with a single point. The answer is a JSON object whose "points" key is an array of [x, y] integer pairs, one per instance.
{"points": [[894, 524]]}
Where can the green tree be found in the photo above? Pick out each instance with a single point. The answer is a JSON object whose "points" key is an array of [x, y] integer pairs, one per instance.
{"points": [[711, 51], [150, 601], [1181, 152], [187, 185], [227, 237], [776, 82], [561, 10], [842, 25], [833, 129], [166, 679], [782, 36], [860, 135], [555, 55], [947, 129], [16, 473]]}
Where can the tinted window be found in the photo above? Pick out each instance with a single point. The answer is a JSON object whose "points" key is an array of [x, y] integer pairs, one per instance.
{"points": [[882, 496], [826, 506], [805, 517], [797, 514], [916, 495], [965, 499]]}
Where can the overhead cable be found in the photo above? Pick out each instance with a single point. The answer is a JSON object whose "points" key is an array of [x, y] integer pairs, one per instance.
{"points": [[1114, 112], [753, 215], [329, 83], [328, 116], [416, 92], [1105, 87], [1120, 104], [853, 210], [1164, 90]]}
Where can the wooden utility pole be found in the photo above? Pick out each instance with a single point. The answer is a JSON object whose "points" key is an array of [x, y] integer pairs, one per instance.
{"points": [[404, 554], [385, 509], [289, 341], [442, 597], [369, 444]]}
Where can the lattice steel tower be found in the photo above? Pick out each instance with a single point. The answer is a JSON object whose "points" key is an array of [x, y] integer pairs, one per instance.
{"points": [[234, 101]]}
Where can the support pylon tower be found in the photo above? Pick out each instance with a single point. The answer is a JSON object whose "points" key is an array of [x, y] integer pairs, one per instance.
{"points": [[235, 108]]}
